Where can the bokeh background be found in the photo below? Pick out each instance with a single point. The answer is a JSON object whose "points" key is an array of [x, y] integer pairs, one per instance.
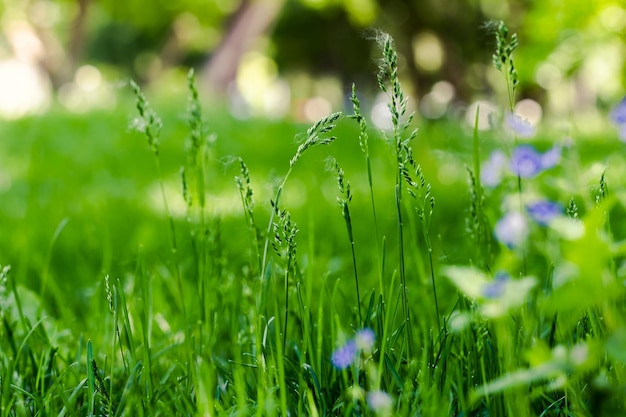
{"points": [[297, 58]]}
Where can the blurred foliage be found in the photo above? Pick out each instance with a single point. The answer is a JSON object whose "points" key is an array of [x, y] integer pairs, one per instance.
{"points": [[578, 41]]}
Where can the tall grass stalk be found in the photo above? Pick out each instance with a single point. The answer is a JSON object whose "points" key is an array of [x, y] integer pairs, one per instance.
{"points": [[315, 135], [344, 202], [284, 243], [46, 271], [503, 61], [247, 201], [419, 189], [150, 124], [477, 222], [204, 233], [388, 70], [364, 144]]}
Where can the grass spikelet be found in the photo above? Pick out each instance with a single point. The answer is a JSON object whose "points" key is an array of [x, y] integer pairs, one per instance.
{"points": [[344, 199], [503, 57], [572, 209], [199, 141], [4, 294], [315, 135], [247, 200], [388, 74], [284, 243], [602, 191], [148, 122]]}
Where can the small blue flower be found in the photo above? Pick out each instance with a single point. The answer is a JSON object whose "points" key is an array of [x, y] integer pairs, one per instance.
{"points": [[512, 229], [526, 161], [493, 169], [495, 288], [365, 339], [544, 211], [618, 115], [551, 158], [380, 402], [345, 355], [522, 127]]}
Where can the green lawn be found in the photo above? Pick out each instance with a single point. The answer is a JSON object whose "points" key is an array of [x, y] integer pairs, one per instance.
{"points": [[191, 318]]}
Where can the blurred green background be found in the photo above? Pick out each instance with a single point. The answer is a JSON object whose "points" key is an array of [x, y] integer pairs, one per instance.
{"points": [[79, 192], [298, 58]]}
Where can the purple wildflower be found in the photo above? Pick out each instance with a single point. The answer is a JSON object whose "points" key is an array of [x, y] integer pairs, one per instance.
{"points": [[551, 157], [526, 161], [380, 402], [495, 288], [493, 168], [544, 211], [345, 355], [512, 229], [618, 115], [365, 339], [522, 127]]}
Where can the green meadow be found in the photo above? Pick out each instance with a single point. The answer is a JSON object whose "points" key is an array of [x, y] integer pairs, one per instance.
{"points": [[164, 258]]}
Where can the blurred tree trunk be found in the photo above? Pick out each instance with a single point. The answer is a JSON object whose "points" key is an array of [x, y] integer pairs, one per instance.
{"points": [[61, 61], [77, 34], [253, 19]]}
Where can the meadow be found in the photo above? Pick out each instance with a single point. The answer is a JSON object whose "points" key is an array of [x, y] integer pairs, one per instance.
{"points": [[166, 259]]}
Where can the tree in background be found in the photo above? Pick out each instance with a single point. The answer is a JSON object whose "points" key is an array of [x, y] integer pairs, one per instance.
{"points": [[437, 39]]}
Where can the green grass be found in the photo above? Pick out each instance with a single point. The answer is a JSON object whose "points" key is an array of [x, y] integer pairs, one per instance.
{"points": [[131, 294]]}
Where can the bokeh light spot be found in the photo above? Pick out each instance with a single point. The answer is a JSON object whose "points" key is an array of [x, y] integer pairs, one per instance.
{"points": [[613, 18], [315, 108], [529, 110], [381, 117], [428, 51], [485, 111], [88, 78]]}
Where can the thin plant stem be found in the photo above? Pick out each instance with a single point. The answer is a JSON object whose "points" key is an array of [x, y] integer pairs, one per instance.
{"points": [[364, 144], [356, 273]]}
